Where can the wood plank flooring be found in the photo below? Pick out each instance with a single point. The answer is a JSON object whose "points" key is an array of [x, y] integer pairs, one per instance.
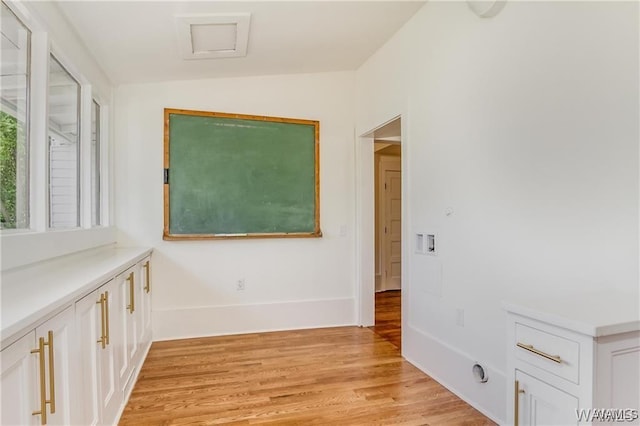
{"points": [[331, 376], [388, 317]]}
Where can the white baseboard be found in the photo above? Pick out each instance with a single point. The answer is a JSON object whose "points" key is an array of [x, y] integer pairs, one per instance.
{"points": [[238, 319], [452, 369]]}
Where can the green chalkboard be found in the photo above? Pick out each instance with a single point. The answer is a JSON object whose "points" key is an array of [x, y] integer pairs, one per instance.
{"points": [[240, 176]]}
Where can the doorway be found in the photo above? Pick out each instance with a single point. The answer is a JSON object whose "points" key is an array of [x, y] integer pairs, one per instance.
{"points": [[388, 216], [387, 238]]}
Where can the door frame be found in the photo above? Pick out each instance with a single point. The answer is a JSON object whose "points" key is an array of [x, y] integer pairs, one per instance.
{"points": [[365, 224]]}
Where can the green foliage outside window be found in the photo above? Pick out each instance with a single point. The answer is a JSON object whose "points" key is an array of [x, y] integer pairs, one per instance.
{"points": [[8, 170]]}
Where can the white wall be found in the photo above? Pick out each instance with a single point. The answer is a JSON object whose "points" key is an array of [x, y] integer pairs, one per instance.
{"points": [[526, 125], [69, 46], [290, 283]]}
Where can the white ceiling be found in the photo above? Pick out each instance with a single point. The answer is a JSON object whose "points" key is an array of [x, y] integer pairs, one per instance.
{"points": [[136, 41]]}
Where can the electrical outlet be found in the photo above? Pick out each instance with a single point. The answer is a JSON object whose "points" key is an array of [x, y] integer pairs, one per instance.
{"points": [[240, 284], [460, 317]]}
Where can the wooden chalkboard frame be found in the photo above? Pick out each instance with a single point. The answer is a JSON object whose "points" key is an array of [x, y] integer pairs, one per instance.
{"points": [[169, 236]]}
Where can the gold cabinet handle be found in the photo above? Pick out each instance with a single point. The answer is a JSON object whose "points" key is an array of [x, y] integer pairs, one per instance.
{"points": [[106, 316], [103, 338], [132, 304], [516, 403], [52, 375], [43, 386], [147, 286], [530, 348]]}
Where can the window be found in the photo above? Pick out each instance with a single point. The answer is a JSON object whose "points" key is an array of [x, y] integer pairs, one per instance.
{"points": [[14, 123], [95, 164], [64, 147], [53, 140]]}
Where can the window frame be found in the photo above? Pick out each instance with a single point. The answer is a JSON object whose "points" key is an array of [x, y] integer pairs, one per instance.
{"points": [[40, 242], [27, 129], [97, 164], [80, 145], [105, 161]]}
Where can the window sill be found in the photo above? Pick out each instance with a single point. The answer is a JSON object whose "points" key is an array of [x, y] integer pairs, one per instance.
{"points": [[23, 247]]}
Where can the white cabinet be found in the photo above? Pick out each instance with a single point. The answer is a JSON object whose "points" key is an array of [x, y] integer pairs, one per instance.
{"points": [[127, 312], [38, 375], [88, 317], [20, 390], [540, 404], [133, 311], [559, 375], [97, 331], [75, 362], [145, 302], [618, 373], [61, 374], [114, 338], [110, 397]]}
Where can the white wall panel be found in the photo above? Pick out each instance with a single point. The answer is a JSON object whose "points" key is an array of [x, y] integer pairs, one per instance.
{"points": [[526, 126], [191, 277]]}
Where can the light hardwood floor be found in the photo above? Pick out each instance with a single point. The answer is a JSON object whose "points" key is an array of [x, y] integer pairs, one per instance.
{"points": [[337, 376], [389, 317]]}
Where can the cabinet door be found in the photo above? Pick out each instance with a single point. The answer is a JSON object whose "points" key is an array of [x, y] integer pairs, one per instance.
{"points": [[20, 389], [90, 330], [99, 397], [127, 346], [618, 369], [541, 404], [61, 373], [145, 302], [110, 393], [140, 311]]}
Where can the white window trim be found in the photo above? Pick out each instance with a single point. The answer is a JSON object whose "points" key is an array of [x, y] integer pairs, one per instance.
{"points": [[39, 210], [105, 175], [85, 155], [24, 117], [82, 133]]}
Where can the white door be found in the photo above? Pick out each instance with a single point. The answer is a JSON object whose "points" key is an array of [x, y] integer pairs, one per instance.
{"points": [[61, 372], [389, 208], [540, 404], [393, 229], [19, 384]]}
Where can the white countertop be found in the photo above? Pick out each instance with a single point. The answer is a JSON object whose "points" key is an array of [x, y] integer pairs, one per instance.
{"points": [[36, 292], [595, 314]]}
